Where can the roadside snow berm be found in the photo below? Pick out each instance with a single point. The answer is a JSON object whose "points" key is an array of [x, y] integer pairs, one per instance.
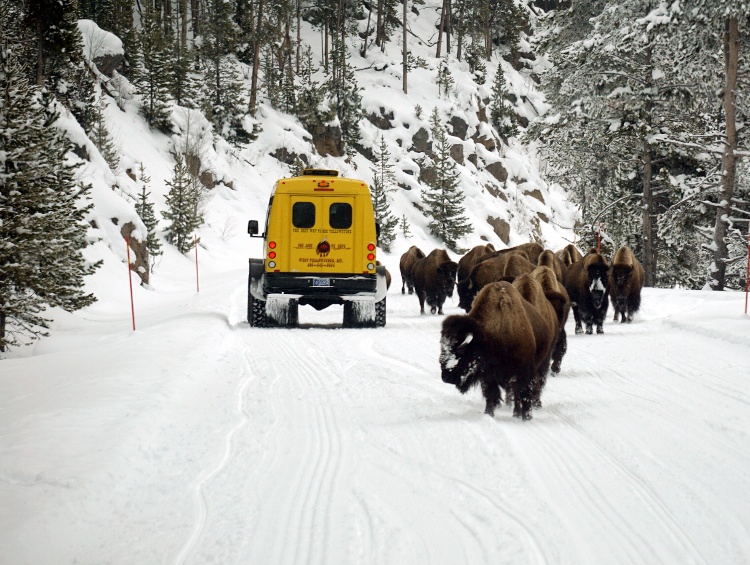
{"points": [[320, 248]]}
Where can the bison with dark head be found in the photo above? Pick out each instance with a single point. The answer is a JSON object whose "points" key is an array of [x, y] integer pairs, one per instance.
{"points": [[434, 278], [626, 277], [406, 264], [497, 345], [587, 284]]}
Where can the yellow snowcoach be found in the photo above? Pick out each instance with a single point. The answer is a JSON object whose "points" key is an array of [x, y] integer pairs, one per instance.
{"points": [[319, 249]]}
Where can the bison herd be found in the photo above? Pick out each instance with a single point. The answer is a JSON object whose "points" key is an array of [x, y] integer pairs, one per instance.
{"points": [[517, 302]]}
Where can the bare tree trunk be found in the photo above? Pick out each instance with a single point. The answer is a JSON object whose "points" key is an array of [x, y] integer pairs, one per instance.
{"points": [[648, 232], [363, 51], [299, 35], [40, 56], [719, 251], [256, 62], [379, 24], [2, 331], [194, 12], [406, 50], [448, 24], [184, 32], [440, 29]]}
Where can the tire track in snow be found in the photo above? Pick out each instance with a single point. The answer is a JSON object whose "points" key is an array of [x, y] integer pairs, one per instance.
{"points": [[229, 451], [307, 506], [480, 498]]}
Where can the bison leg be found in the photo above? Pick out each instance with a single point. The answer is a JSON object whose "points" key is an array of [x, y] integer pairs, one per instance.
{"points": [[491, 392], [421, 296], [561, 346], [589, 329], [523, 392], [599, 329], [577, 317]]}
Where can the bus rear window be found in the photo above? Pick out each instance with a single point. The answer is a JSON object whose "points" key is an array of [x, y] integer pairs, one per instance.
{"points": [[303, 214], [340, 215]]}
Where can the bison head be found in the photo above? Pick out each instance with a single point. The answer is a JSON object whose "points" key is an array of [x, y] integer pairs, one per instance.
{"points": [[621, 277], [447, 276], [466, 293], [459, 351]]}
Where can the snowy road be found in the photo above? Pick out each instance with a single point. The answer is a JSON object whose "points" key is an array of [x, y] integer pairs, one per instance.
{"points": [[221, 443]]}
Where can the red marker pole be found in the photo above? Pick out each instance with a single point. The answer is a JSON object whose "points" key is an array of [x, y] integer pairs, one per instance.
{"points": [[130, 281], [747, 272], [197, 282], [599, 239]]}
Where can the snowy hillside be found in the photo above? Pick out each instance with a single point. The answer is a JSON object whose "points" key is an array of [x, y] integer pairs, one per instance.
{"points": [[519, 208]]}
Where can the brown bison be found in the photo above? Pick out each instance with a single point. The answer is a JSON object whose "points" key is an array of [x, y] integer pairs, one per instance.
{"points": [[550, 259], [434, 277], [471, 258], [505, 265], [625, 284], [406, 263], [587, 285], [496, 345], [569, 255], [531, 289], [560, 301], [387, 276]]}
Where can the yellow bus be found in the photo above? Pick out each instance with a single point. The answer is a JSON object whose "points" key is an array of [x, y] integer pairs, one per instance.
{"points": [[320, 249]]}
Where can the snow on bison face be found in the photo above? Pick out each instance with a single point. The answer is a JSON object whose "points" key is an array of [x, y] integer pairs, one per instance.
{"points": [[458, 356]]}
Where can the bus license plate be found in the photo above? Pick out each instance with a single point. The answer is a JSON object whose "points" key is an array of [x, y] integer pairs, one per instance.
{"points": [[321, 282]]}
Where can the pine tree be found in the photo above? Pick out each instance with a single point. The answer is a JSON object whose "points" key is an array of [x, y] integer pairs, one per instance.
{"points": [[42, 233], [443, 199], [384, 179], [184, 202], [502, 115], [151, 74], [403, 225], [57, 50], [622, 132], [101, 138], [310, 99], [445, 79], [145, 210], [346, 96]]}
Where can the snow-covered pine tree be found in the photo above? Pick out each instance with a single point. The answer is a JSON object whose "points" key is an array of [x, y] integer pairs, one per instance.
{"points": [[183, 213], [622, 130], [403, 225], [100, 137], [144, 207], [345, 91], [445, 80], [310, 96], [384, 179], [502, 115], [54, 43], [42, 233], [150, 74], [443, 198]]}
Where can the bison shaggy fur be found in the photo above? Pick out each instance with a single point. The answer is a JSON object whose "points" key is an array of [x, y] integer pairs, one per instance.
{"points": [[497, 345], [560, 301], [587, 284], [626, 277], [472, 257], [434, 278], [412, 255], [504, 265]]}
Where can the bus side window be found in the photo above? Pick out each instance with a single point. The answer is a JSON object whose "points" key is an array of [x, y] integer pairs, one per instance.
{"points": [[303, 214], [340, 215]]}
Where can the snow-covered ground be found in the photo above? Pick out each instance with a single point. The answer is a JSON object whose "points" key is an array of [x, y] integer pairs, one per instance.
{"points": [[197, 439]]}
